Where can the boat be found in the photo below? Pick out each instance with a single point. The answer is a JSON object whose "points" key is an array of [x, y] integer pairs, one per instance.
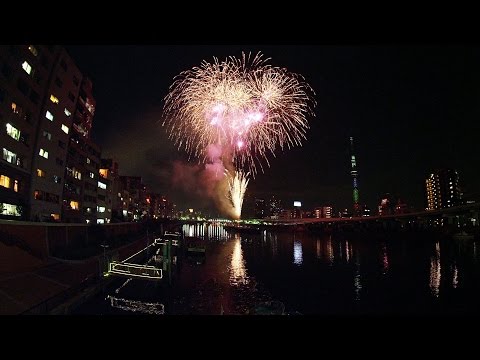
{"points": [[195, 245], [463, 235]]}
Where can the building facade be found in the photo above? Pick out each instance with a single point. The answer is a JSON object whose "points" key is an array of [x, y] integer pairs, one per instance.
{"points": [[442, 189], [46, 114]]}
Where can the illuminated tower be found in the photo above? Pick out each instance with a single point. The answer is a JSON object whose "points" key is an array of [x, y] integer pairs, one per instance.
{"points": [[354, 173]]}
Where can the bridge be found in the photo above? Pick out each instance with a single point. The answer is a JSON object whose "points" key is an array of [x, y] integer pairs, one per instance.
{"points": [[471, 210], [454, 216]]}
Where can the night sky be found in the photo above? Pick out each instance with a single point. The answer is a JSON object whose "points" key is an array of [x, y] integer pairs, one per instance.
{"points": [[411, 109]]}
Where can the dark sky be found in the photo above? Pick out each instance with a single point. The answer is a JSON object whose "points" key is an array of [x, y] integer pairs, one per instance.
{"points": [[411, 109]]}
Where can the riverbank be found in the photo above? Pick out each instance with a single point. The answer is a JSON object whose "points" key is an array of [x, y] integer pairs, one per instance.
{"points": [[46, 284]]}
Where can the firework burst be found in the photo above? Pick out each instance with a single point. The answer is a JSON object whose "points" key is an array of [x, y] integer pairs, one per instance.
{"points": [[245, 105]]}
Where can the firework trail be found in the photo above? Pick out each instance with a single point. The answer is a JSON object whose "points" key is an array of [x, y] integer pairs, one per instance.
{"points": [[237, 185], [244, 106]]}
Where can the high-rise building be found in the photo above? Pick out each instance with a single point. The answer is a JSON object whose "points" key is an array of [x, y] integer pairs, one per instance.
{"points": [[108, 173], [137, 207], [274, 208], [85, 194], [260, 210], [41, 91], [357, 211], [442, 189], [24, 78], [53, 138], [327, 212], [387, 205]]}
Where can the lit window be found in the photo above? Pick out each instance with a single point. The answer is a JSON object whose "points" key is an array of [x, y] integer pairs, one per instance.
{"points": [[40, 173], [92, 175], [88, 161], [9, 156], [100, 221], [5, 181], [102, 185], [13, 132], [103, 173], [49, 115], [65, 128], [37, 195], [15, 186], [9, 209], [55, 217], [74, 205], [33, 50], [68, 113], [47, 135], [101, 209], [43, 153], [77, 174], [26, 66], [57, 179], [54, 99], [88, 221], [16, 109]]}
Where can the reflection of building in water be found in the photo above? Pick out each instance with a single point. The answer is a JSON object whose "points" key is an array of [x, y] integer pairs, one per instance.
{"points": [[435, 271], [455, 276], [319, 249], [384, 259], [211, 231], [297, 252], [330, 250], [273, 239], [357, 280], [238, 273], [348, 253]]}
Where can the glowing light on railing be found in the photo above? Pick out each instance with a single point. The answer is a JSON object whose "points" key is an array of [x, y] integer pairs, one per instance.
{"points": [[137, 306], [136, 270]]}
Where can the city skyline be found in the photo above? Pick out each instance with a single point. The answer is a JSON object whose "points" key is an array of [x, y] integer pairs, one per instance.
{"points": [[392, 100]]}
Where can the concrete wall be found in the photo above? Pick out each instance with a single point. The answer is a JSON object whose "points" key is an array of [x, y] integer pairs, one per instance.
{"points": [[42, 240]]}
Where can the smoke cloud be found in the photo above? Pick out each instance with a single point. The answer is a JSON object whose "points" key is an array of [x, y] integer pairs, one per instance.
{"points": [[205, 181]]}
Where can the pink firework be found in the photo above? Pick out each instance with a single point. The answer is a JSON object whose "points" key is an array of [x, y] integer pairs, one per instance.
{"points": [[244, 105]]}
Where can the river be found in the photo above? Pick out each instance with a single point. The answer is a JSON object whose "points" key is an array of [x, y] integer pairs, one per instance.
{"points": [[328, 274]]}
